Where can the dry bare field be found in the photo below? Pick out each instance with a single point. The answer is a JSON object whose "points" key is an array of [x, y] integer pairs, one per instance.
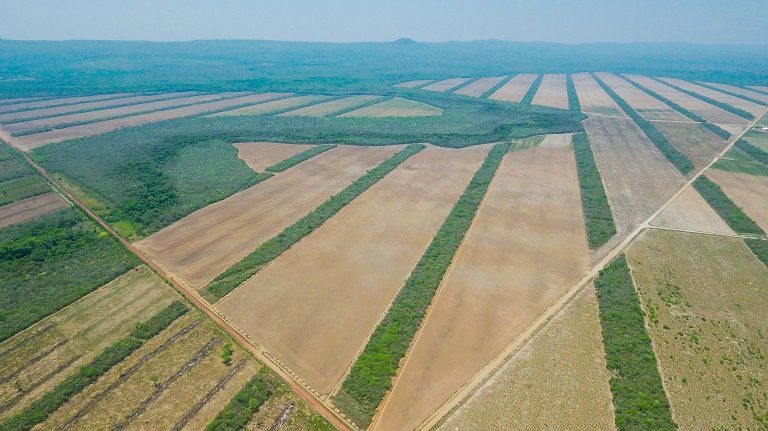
{"points": [[691, 212], [593, 98], [59, 101], [272, 106], [21, 100], [327, 108], [526, 247], [208, 241], [757, 95], [477, 88], [557, 381], [761, 88], [646, 105], [692, 139], [27, 209], [261, 155], [395, 107], [751, 107], [552, 92], [705, 303], [557, 141], [514, 90], [334, 286], [750, 192], [445, 84], [413, 84]]}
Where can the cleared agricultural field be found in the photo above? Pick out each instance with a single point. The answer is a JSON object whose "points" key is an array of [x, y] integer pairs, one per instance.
{"points": [[29, 142], [757, 95], [479, 87], [557, 381], [445, 85], [331, 107], [414, 84], [557, 141], [395, 107], [552, 92], [698, 144], [761, 88], [27, 209], [515, 89], [388, 226], [594, 99], [645, 104], [203, 244], [691, 212], [705, 302], [747, 191], [272, 106], [737, 102], [261, 155], [526, 247], [36, 104]]}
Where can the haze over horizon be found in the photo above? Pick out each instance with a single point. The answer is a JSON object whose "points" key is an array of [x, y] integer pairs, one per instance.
{"points": [[690, 21]]}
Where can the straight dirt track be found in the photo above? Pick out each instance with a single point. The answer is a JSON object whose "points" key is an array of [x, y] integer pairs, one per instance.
{"points": [[514, 90], [27, 209], [330, 288], [552, 92], [750, 192], [206, 242], [261, 155], [526, 247], [477, 88], [646, 105], [593, 98]]}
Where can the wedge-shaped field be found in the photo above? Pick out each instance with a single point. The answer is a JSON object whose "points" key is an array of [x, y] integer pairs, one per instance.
{"points": [[692, 139], [445, 85], [707, 111], [526, 247], [331, 287], [750, 192], [594, 99], [552, 92], [331, 107], [396, 107], [479, 87], [646, 105], [29, 142], [515, 89], [557, 381], [205, 243], [705, 303], [414, 84], [637, 177], [261, 155], [29, 208], [691, 212], [737, 102], [59, 102], [272, 106], [757, 95], [21, 100]]}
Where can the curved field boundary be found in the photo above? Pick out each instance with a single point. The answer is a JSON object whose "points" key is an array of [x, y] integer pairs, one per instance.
{"points": [[722, 105], [598, 216]]}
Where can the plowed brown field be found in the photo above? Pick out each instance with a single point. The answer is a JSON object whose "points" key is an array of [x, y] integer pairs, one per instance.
{"points": [[552, 92], [751, 107], [269, 107], [327, 108], [395, 107], [445, 84], [646, 105], [691, 212], [692, 139], [27, 209], [53, 102], [750, 192], [477, 88], [413, 84], [593, 98], [514, 90], [261, 155], [742, 91]]}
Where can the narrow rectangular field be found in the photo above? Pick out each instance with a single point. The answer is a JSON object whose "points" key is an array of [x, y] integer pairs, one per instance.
{"points": [[328, 108], [515, 89], [750, 192], [413, 84], [445, 85], [27, 209], [552, 92], [59, 101], [757, 95], [479, 87], [594, 99], [692, 139], [737, 102], [691, 212], [395, 107], [646, 105], [272, 106], [200, 246], [261, 155], [388, 226], [526, 247]]}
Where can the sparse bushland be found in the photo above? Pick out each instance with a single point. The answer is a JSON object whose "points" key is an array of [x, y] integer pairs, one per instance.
{"points": [[724, 106], [298, 158], [269, 250], [678, 159], [531, 93], [638, 395], [597, 211], [238, 412], [371, 375], [724, 206], [573, 97]]}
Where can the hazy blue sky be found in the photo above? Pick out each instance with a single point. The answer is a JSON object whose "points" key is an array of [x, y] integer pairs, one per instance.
{"points": [[706, 21]]}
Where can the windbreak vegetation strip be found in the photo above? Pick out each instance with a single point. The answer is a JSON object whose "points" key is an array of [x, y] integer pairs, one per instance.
{"points": [[730, 93], [573, 97], [756, 153], [245, 403], [760, 248], [594, 202], [298, 158], [724, 106], [498, 85], [736, 218], [528, 98]]}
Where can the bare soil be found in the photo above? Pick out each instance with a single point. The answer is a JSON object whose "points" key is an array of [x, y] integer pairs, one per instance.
{"points": [[750, 192], [477, 88], [691, 212], [445, 84], [692, 139], [593, 98], [261, 155], [751, 107], [646, 105], [51, 102], [326, 108], [396, 107], [514, 90], [552, 92], [561, 141], [743, 91], [30, 208]]}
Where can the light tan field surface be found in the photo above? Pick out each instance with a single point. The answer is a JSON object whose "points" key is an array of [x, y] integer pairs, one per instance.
{"points": [[61, 101], [37, 359], [552, 92], [27, 209], [593, 98], [477, 88], [751, 107], [557, 141], [637, 177], [750, 192], [705, 303], [20, 100], [692, 139], [514, 90], [413, 84], [261, 155], [691, 212], [445, 84], [208, 241], [526, 247], [709, 112], [327, 108], [335, 285], [557, 381], [646, 105], [300, 417], [39, 139], [275, 105], [396, 107], [761, 88], [742, 91]]}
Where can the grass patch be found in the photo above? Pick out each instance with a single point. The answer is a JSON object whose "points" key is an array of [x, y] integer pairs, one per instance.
{"points": [[573, 97], [755, 152], [22, 188], [531, 93], [736, 160], [594, 202], [638, 394], [760, 248], [298, 158], [724, 206], [371, 375], [245, 403], [732, 109]]}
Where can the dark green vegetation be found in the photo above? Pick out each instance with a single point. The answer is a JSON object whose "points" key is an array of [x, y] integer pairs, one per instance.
{"points": [[40, 409], [497, 86], [740, 96], [269, 250], [50, 262], [298, 158], [245, 403], [736, 160], [638, 395], [17, 178], [531, 93], [597, 211], [732, 109], [714, 128], [357, 106], [371, 375], [678, 159], [573, 97], [755, 152], [760, 248], [724, 206]]}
